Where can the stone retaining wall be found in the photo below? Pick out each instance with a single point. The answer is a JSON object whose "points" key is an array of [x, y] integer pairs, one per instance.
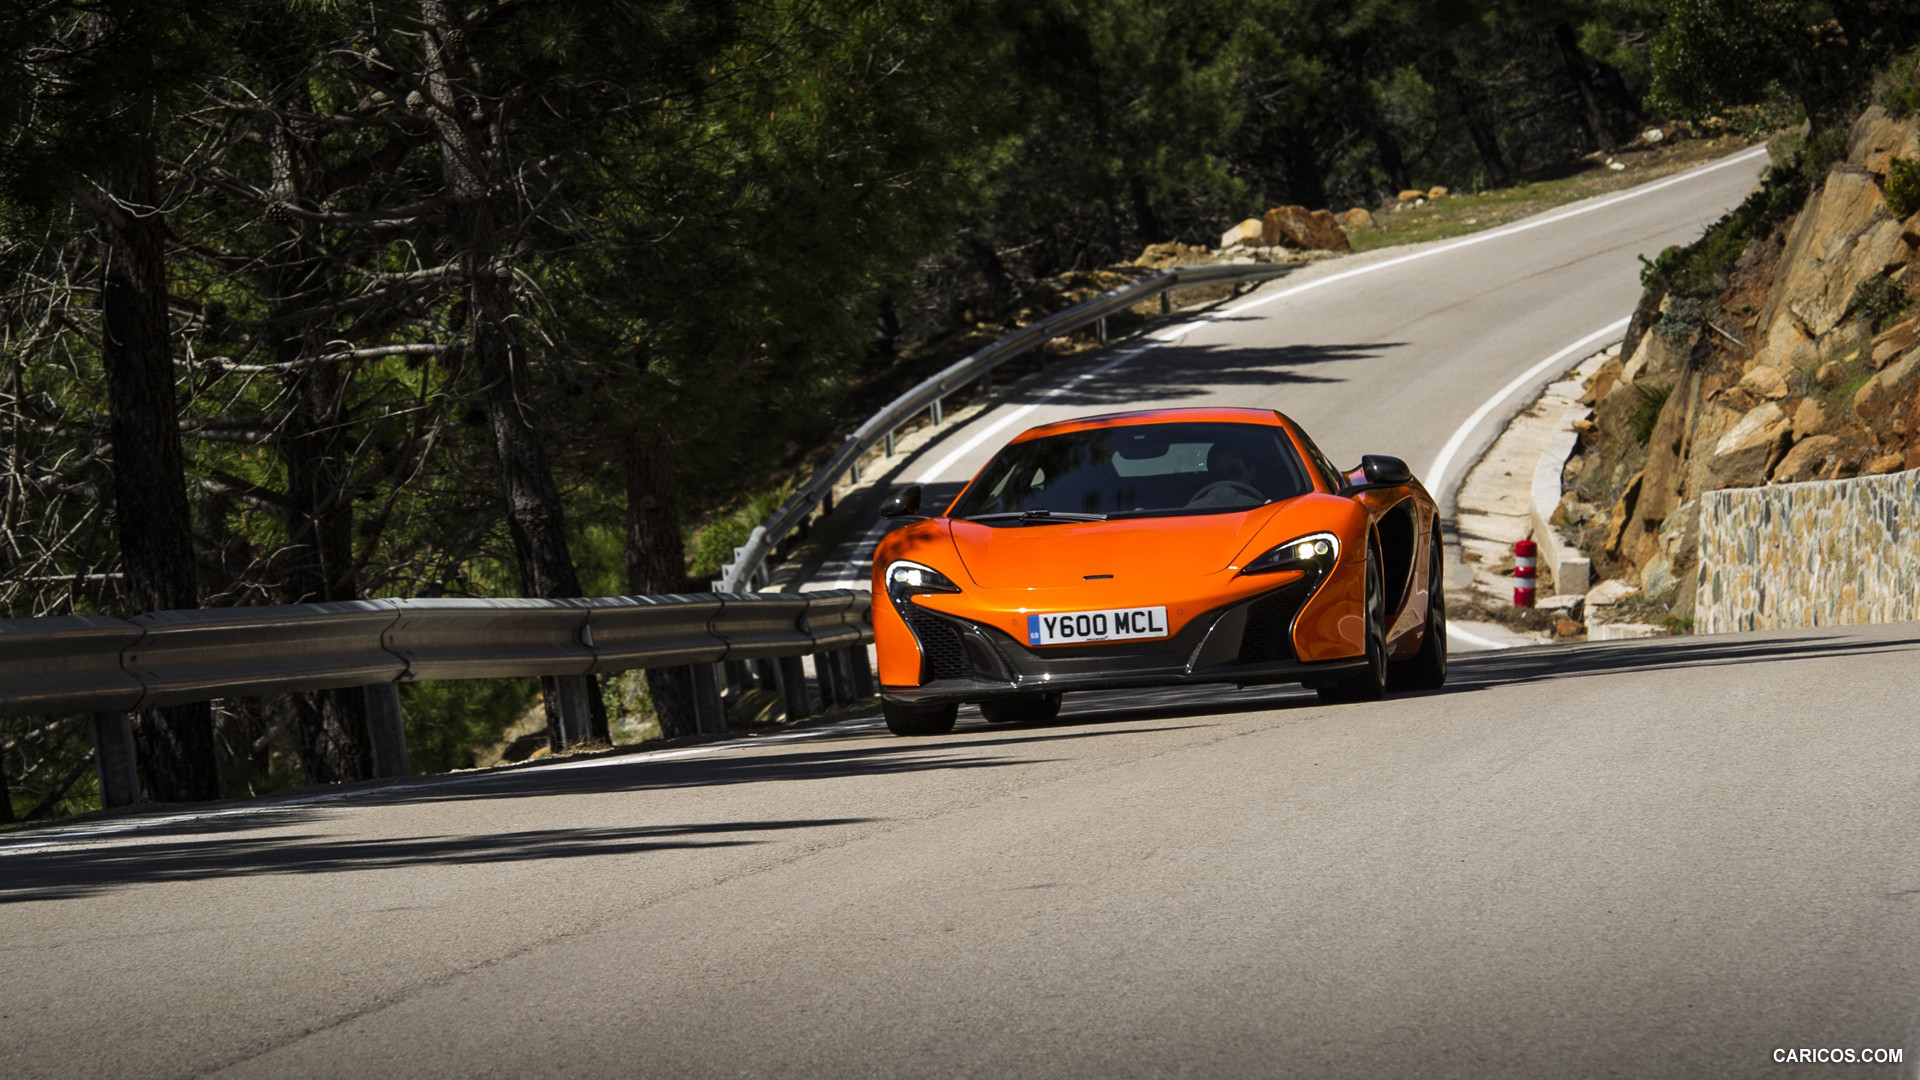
{"points": [[1826, 553]]}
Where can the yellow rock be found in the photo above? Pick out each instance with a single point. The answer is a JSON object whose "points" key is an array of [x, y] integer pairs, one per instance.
{"points": [[1247, 232], [1436, 193]]}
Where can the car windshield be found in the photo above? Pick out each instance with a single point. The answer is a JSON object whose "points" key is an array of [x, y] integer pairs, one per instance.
{"points": [[1140, 470]]}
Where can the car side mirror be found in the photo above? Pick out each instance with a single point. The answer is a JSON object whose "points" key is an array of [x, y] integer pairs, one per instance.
{"points": [[901, 503], [1385, 470]]}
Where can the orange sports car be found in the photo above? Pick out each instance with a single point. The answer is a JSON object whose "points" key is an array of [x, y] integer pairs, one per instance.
{"points": [[1152, 549]]}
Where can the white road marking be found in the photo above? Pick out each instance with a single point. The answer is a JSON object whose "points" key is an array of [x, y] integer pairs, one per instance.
{"points": [[1176, 333], [1437, 472], [1481, 238]]}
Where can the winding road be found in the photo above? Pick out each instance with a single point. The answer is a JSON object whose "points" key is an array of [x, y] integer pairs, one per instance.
{"points": [[1674, 858]]}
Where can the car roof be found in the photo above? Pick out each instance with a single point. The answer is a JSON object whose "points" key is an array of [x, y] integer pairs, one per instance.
{"points": [[1267, 417]]}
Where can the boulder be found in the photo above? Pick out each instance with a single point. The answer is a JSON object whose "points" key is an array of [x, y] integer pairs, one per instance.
{"points": [[1745, 455], [1602, 381], [1762, 382], [1562, 606], [1356, 218], [1297, 227], [1893, 341], [1622, 512], [1660, 356], [1161, 256], [1882, 393], [1436, 193], [1608, 593], [1412, 196], [1843, 237], [1809, 418], [1886, 463], [1875, 136], [1247, 232], [1827, 375], [1810, 459]]}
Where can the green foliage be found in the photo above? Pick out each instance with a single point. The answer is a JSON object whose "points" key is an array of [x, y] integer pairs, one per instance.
{"points": [[1701, 269], [713, 547], [1881, 301], [1646, 410], [1903, 187], [1901, 96], [1711, 54], [447, 722], [1684, 315]]}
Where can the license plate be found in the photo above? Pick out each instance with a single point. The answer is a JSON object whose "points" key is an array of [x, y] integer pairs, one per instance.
{"points": [[1109, 624]]}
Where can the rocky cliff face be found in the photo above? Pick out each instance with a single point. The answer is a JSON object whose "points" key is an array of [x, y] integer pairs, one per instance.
{"points": [[1806, 366]]}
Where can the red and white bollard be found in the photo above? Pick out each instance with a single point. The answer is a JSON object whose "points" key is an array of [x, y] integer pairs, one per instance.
{"points": [[1525, 559]]}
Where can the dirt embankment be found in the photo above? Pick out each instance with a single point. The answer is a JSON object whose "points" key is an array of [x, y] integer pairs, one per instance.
{"points": [[1804, 366]]}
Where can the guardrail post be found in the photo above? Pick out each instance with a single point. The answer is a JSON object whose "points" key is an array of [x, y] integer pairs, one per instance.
{"points": [[739, 679], [889, 442], [1103, 329], [113, 759], [826, 674], [793, 688], [1166, 302], [709, 712], [938, 412], [386, 731], [576, 710], [986, 380], [862, 671]]}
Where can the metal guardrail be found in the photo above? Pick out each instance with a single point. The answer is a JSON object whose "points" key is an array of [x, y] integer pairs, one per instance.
{"points": [[92, 663], [110, 667], [744, 571]]}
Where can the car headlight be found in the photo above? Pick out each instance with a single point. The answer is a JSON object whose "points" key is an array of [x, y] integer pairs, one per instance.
{"points": [[1313, 552], [906, 578]]}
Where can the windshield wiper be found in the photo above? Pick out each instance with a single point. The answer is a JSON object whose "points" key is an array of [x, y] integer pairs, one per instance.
{"points": [[1038, 516]]}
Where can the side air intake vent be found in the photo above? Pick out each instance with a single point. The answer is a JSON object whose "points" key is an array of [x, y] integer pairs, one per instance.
{"points": [[946, 658]]}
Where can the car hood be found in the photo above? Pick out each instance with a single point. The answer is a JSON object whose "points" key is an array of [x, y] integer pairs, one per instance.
{"points": [[1132, 550]]}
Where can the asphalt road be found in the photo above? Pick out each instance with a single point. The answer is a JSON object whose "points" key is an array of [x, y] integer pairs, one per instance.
{"points": [[1645, 859], [1390, 352], [1673, 858]]}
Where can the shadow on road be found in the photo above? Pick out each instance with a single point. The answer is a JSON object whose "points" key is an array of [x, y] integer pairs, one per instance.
{"points": [[1476, 671], [1177, 371], [65, 874]]}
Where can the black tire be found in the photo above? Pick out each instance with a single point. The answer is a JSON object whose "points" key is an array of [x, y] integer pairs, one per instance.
{"points": [[1025, 709], [1427, 669], [904, 719], [1370, 683]]}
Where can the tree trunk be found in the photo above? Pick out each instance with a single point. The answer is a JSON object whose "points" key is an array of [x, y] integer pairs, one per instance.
{"points": [[1576, 64], [1485, 138], [1393, 160], [534, 516], [332, 725], [151, 516], [656, 563]]}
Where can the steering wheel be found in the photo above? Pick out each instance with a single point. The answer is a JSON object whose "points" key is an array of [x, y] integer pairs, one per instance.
{"points": [[1220, 487]]}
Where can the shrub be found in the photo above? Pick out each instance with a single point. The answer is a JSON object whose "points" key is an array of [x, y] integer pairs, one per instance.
{"points": [[1701, 268], [1646, 411], [1901, 98], [1903, 187], [1881, 301]]}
